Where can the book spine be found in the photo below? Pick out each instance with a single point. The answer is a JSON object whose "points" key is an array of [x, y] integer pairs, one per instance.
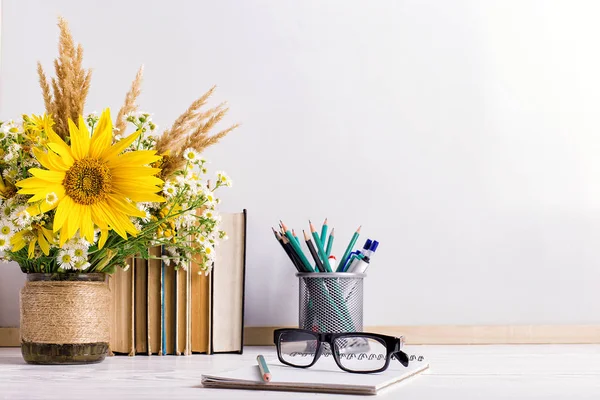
{"points": [[162, 308], [176, 316]]}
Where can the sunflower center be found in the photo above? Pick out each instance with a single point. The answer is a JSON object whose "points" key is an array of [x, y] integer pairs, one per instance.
{"points": [[87, 181]]}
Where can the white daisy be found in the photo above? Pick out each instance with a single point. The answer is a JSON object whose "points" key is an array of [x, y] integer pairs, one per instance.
{"points": [[81, 265], [210, 198], [191, 155], [169, 190], [7, 228], [22, 217], [4, 243], [183, 265], [223, 178], [80, 253], [209, 252], [51, 198], [210, 214], [66, 258]]}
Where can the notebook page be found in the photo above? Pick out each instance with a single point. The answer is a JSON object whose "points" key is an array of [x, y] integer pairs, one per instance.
{"points": [[325, 373]]}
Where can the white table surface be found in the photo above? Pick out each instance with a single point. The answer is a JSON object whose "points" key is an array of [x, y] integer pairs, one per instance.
{"points": [[457, 372]]}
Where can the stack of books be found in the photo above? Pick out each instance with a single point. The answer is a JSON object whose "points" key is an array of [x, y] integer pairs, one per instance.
{"points": [[156, 309]]}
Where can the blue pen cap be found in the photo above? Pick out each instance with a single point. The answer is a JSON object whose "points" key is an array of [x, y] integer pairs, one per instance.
{"points": [[374, 246], [368, 244]]}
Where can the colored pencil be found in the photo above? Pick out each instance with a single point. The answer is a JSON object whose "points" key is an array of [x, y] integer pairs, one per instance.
{"points": [[295, 259], [264, 368], [297, 249], [320, 247], [296, 237], [313, 252], [330, 242], [344, 259], [287, 250], [324, 232]]}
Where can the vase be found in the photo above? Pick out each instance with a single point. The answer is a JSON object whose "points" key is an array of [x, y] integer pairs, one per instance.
{"points": [[65, 318]]}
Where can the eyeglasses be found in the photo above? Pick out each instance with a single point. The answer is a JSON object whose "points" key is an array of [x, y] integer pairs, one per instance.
{"points": [[358, 352]]}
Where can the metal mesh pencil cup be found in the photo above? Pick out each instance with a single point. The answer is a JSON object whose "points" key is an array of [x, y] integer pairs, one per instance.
{"points": [[331, 302]]}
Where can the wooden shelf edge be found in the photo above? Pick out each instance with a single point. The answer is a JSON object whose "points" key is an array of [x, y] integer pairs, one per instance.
{"points": [[431, 334], [464, 334]]}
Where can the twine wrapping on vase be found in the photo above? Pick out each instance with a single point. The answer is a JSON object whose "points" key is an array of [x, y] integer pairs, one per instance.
{"points": [[65, 312]]}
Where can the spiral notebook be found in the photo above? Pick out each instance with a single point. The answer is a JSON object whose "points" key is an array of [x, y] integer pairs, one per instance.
{"points": [[323, 377]]}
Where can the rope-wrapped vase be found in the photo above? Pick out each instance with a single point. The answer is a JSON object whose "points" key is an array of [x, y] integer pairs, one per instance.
{"points": [[65, 318]]}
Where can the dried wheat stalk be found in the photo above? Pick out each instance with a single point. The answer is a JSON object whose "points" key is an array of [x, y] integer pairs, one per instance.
{"points": [[71, 85], [130, 101]]}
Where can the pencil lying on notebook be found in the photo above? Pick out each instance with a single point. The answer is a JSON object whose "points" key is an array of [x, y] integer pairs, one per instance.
{"points": [[264, 368]]}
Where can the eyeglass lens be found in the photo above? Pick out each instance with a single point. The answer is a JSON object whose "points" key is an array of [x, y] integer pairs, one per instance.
{"points": [[298, 348], [360, 354]]}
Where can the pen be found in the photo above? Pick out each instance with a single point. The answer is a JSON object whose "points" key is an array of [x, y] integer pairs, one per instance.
{"points": [[264, 368], [360, 266], [372, 248], [352, 262]]}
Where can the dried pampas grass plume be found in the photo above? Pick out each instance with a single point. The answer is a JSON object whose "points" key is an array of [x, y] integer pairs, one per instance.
{"points": [[191, 130], [130, 101], [70, 88]]}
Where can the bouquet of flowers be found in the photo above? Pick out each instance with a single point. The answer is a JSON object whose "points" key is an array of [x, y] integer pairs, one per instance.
{"points": [[81, 194]]}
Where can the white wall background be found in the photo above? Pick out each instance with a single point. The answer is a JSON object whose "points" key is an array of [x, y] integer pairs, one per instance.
{"points": [[464, 135]]}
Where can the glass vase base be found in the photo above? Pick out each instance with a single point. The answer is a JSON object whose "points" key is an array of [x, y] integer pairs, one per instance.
{"points": [[64, 354]]}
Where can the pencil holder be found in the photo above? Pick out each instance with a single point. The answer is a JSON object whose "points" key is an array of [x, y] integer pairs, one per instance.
{"points": [[331, 302]]}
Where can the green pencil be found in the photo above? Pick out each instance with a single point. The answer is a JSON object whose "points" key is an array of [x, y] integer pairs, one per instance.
{"points": [[296, 237], [330, 242], [324, 232], [320, 248], [340, 266]]}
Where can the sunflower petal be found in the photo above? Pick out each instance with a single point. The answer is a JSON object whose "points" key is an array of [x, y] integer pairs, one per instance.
{"points": [[18, 241], [58, 145], [48, 234], [123, 206], [87, 226], [43, 243], [103, 134], [31, 248], [50, 176], [117, 148], [79, 142], [134, 172], [103, 237], [30, 183], [62, 212], [74, 220], [139, 157]]}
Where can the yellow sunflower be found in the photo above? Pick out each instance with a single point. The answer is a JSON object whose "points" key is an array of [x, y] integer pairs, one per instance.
{"points": [[92, 183]]}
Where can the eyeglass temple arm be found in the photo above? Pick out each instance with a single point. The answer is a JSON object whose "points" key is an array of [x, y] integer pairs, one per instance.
{"points": [[399, 354], [402, 357]]}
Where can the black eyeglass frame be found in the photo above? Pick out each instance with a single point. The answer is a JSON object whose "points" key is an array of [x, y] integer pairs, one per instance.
{"points": [[393, 347]]}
